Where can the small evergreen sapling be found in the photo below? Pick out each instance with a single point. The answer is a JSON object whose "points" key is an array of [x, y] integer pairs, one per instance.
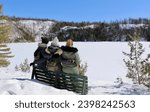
{"points": [[135, 63], [24, 67], [146, 77], [83, 68]]}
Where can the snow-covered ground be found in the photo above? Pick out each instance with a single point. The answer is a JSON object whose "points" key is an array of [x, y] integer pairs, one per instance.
{"points": [[105, 64]]}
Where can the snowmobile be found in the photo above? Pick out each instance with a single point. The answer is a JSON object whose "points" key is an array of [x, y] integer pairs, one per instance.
{"points": [[71, 82]]}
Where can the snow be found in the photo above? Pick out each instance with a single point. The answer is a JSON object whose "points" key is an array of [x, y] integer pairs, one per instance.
{"points": [[26, 86], [65, 28], [89, 26], [129, 26], [37, 27], [105, 64], [3, 21]]}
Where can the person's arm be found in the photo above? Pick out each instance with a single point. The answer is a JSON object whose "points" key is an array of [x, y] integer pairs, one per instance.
{"points": [[46, 55], [77, 59], [59, 51], [36, 52]]}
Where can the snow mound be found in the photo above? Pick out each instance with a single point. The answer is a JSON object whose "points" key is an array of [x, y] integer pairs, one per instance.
{"points": [[28, 87], [107, 88]]}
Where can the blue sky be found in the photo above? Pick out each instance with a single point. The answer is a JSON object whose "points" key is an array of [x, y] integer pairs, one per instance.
{"points": [[78, 10]]}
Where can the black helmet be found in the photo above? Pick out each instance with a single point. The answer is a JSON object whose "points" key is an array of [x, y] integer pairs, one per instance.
{"points": [[44, 40]]}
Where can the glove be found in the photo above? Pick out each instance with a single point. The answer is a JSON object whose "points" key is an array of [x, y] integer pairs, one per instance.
{"points": [[31, 64]]}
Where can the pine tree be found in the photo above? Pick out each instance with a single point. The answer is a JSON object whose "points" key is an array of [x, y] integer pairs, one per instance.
{"points": [[4, 55], [136, 65], [4, 35], [146, 77]]}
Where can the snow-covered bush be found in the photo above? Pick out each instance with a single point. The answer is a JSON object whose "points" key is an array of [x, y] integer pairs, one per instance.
{"points": [[119, 80], [83, 68], [24, 67]]}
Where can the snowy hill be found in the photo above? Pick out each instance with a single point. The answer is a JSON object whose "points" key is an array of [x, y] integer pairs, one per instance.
{"points": [[104, 61], [28, 30], [36, 27]]}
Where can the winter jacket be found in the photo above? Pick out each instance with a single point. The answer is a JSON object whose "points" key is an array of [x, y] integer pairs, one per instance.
{"points": [[53, 63], [70, 60], [40, 55]]}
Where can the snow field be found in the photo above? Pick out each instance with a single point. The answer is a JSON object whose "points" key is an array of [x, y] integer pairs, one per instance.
{"points": [[105, 64]]}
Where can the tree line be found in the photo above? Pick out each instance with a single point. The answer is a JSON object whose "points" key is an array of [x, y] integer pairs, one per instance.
{"points": [[102, 31], [14, 18]]}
